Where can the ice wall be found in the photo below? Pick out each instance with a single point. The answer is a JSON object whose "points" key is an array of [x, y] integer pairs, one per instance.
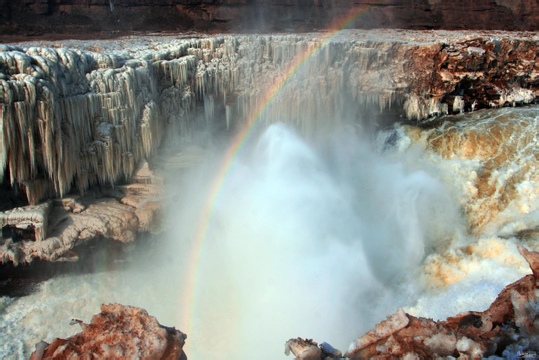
{"points": [[85, 115], [73, 119]]}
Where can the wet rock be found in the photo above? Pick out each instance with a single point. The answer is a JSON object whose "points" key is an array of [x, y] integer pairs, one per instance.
{"points": [[307, 349], [329, 351], [118, 332], [303, 349]]}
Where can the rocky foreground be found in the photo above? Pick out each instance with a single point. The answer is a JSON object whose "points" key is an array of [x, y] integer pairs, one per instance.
{"points": [[118, 332], [507, 328]]}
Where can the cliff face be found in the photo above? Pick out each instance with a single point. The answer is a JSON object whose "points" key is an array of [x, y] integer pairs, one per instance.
{"points": [[114, 108], [84, 17]]}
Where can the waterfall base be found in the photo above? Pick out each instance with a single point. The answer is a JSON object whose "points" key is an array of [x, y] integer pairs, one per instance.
{"points": [[507, 327]]}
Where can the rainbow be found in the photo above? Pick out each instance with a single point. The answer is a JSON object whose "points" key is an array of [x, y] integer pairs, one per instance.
{"points": [[238, 142]]}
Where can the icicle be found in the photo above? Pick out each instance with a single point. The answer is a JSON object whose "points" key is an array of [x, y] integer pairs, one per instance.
{"points": [[417, 108], [3, 147], [458, 104], [228, 115], [86, 118], [36, 190], [150, 131]]}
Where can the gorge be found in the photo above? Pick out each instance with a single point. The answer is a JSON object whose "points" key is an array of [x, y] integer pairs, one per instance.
{"points": [[302, 184]]}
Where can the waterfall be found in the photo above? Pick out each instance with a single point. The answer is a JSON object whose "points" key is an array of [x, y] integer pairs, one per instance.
{"points": [[54, 99], [318, 223]]}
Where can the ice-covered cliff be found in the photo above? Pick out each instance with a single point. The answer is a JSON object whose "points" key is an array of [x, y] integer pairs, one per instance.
{"points": [[79, 114], [73, 118]]}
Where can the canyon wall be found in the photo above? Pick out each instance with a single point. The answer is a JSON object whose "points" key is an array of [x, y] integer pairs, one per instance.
{"points": [[110, 17]]}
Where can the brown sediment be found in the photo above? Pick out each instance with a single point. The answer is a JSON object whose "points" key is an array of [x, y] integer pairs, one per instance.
{"points": [[503, 148]]}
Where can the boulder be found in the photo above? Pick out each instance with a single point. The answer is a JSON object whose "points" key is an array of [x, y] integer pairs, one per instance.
{"points": [[118, 332]]}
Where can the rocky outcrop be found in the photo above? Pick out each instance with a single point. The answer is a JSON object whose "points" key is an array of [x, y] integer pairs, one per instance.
{"points": [[118, 332], [117, 214], [507, 328], [307, 349], [473, 74], [107, 17], [113, 108]]}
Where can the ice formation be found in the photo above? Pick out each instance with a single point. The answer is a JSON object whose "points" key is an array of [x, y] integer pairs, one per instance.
{"points": [[34, 218], [50, 230], [73, 118]]}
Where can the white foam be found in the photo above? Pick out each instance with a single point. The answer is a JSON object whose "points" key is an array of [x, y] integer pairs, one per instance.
{"points": [[311, 241], [469, 279]]}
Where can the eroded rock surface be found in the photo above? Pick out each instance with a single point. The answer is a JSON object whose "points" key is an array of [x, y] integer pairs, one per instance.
{"points": [[118, 214], [118, 332]]}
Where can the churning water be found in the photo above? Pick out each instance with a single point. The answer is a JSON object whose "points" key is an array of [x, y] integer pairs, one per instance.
{"points": [[318, 237]]}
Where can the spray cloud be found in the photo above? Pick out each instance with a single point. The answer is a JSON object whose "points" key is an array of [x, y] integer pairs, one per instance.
{"points": [[306, 238]]}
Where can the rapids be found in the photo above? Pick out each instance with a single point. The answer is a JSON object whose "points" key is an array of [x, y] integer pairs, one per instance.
{"points": [[318, 237]]}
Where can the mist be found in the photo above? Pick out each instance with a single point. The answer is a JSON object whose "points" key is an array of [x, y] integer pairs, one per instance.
{"points": [[312, 238], [316, 237], [320, 227]]}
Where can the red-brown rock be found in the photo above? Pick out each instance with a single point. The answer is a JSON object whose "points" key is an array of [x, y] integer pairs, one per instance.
{"points": [[118, 332]]}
